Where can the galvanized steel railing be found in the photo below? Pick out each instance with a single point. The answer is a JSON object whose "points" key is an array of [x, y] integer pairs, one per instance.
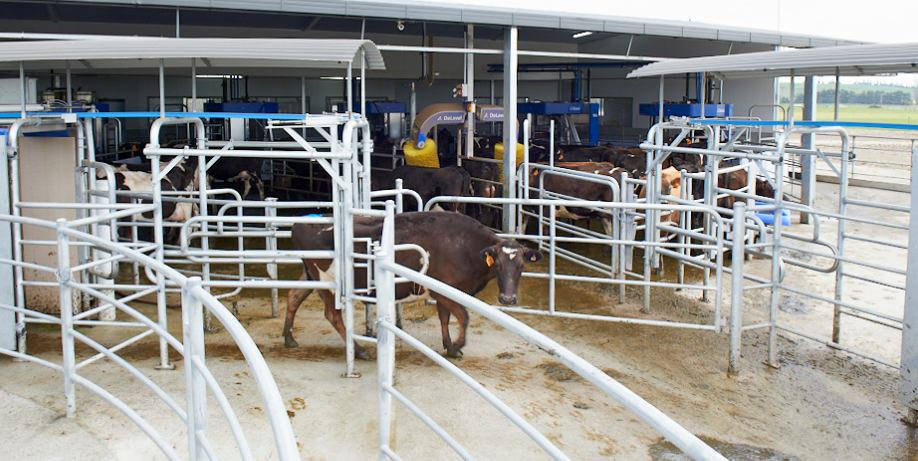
{"points": [[198, 378], [386, 270]]}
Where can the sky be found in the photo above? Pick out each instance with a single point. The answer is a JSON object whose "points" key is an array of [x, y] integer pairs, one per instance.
{"points": [[881, 21]]}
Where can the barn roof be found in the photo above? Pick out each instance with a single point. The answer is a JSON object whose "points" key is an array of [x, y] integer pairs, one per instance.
{"points": [[211, 53], [849, 60], [306, 13]]}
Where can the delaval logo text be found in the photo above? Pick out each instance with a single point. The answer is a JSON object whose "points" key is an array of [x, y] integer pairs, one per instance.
{"points": [[451, 117], [491, 115]]}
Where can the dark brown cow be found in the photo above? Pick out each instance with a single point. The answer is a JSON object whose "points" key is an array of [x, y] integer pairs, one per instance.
{"points": [[462, 253], [488, 175], [736, 180], [580, 189], [428, 182]]}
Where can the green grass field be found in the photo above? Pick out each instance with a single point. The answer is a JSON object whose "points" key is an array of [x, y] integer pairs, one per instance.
{"points": [[907, 115], [863, 113], [853, 87]]}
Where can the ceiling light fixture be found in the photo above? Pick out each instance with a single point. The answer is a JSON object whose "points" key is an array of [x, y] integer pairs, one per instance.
{"points": [[585, 33]]}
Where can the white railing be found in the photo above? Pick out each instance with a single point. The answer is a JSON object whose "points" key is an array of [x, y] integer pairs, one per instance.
{"points": [[386, 271], [198, 379]]}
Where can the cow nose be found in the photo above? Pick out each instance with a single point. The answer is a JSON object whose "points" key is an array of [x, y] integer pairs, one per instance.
{"points": [[507, 299]]}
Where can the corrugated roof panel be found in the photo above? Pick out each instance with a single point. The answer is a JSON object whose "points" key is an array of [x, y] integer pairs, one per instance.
{"points": [[314, 7], [623, 27], [376, 10], [772, 38], [268, 5], [817, 41], [428, 13], [732, 35], [189, 4], [577, 24], [536, 20], [850, 60], [496, 14], [794, 40], [315, 53], [667, 30], [487, 17], [699, 32]]}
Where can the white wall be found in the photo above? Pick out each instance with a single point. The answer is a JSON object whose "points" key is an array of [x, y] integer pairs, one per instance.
{"points": [[10, 91]]}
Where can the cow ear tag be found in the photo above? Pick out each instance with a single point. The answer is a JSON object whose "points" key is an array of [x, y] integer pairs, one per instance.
{"points": [[490, 260]]}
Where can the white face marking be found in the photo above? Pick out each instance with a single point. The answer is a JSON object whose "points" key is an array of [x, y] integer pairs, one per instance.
{"points": [[510, 252]]}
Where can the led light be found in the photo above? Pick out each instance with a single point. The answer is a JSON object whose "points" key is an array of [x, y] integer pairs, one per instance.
{"points": [[585, 33]]}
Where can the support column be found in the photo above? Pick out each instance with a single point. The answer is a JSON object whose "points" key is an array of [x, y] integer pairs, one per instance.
{"points": [[908, 366], [808, 141], [511, 61], [7, 287], [470, 97]]}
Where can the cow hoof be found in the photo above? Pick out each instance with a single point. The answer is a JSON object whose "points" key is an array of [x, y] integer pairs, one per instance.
{"points": [[362, 355], [290, 343], [453, 353]]}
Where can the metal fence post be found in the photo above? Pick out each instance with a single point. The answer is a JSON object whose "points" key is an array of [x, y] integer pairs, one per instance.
{"points": [[271, 243], [385, 340], [736, 288], [64, 277], [908, 365], [195, 387]]}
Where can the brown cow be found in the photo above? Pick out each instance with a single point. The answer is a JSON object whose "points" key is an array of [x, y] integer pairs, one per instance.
{"points": [[428, 182], [461, 252], [579, 189]]}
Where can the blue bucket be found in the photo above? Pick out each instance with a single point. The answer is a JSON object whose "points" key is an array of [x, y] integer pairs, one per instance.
{"points": [[768, 217]]}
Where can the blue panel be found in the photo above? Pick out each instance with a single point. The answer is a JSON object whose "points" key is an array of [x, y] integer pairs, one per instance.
{"points": [[46, 134], [242, 107], [555, 108], [378, 107], [687, 110]]}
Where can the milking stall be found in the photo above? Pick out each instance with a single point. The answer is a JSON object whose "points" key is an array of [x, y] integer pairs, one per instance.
{"points": [[706, 277]]}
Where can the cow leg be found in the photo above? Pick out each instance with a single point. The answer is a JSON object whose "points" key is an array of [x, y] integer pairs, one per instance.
{"points": [[445, 308], [295, 297], [246, 188], [334, 316], [260, 185]]}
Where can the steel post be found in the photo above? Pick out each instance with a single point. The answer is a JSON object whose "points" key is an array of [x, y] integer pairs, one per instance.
{"points": [[908, 367], [195, 386], [736, 289], [385, 340], [64, 277]]}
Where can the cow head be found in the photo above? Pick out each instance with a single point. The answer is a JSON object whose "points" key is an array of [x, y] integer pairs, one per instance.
{"points": [[509, 257]]}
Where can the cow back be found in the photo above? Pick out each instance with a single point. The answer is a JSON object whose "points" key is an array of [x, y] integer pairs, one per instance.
{"points": [[453, 243]]}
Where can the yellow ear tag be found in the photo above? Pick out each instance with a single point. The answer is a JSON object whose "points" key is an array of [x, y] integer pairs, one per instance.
{"points": [[489, 260]]}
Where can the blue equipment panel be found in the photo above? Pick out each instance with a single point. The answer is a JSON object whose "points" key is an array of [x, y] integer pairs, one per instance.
{"points": [[686, 110], [565, 108], [378, 107], [242, 107]]}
